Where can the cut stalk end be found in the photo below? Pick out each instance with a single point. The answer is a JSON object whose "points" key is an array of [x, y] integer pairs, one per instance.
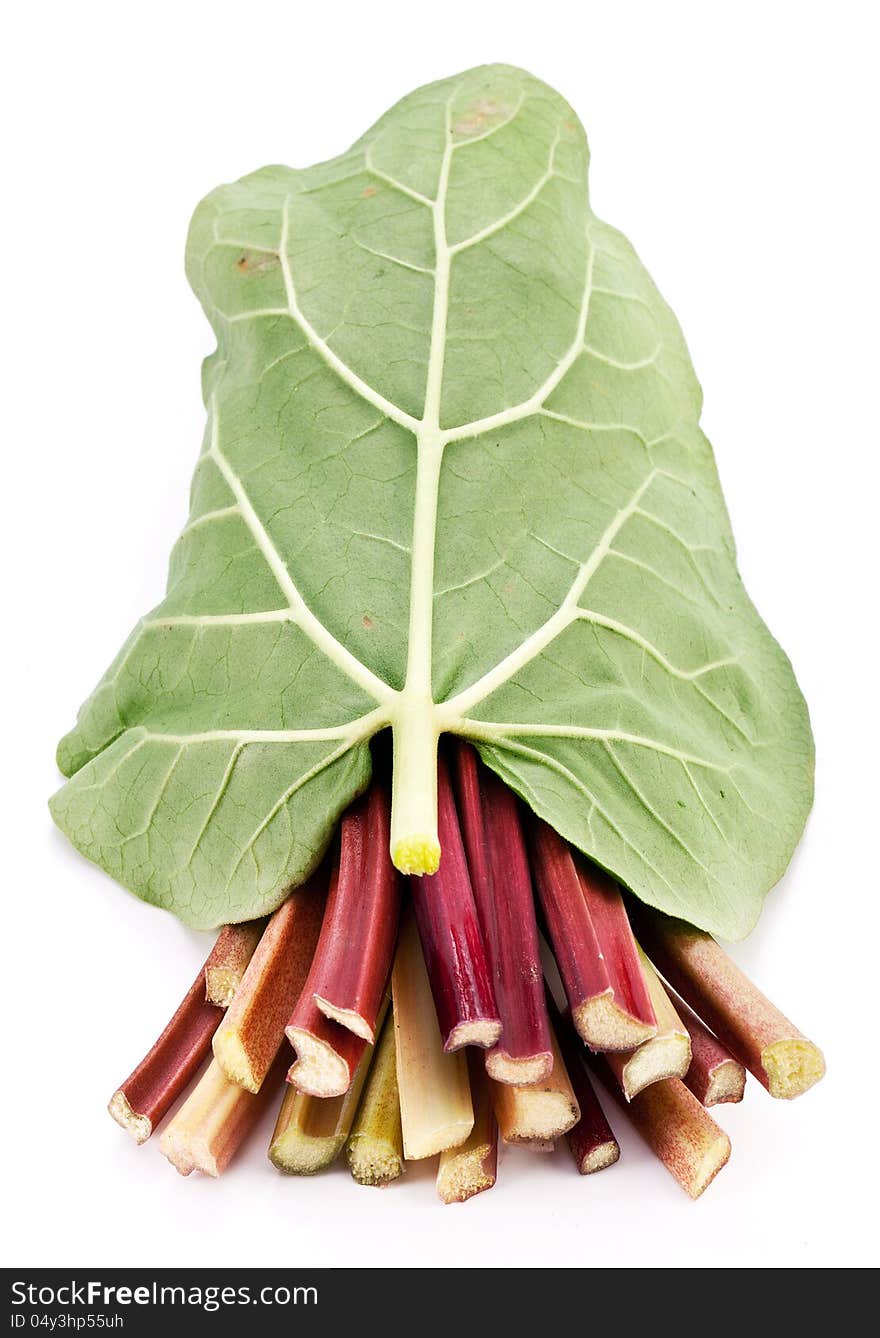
{"points": [[792, 1067], [465, 1172], [416, 854], [229, 959], [373, 1162], [600, 1157], [603, 1025], [231, 1055], [525, 1072], [726, 1083], [713, 1160], [659, 1058], [483, 1033], [348, 1018], [318, 1070], [139, 1126]]}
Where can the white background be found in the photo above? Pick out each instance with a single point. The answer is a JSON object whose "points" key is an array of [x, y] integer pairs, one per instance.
{"points": [[737, 146]]}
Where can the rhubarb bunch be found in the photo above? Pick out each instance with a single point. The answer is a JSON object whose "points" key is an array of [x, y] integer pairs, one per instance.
{"points": [[474, 1054]]}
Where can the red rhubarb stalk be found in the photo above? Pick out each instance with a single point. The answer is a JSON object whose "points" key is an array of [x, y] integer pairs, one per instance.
{"points": [[353, 959], [452, 943], [150, 1091], [252, 1031], [754, 1031], [592, 1140], [229, 959], [502, 887], [714, 1075], [593, 945], [327, 1054]]}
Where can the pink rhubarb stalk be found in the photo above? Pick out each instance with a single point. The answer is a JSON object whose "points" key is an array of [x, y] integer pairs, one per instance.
{"points": [[676, 1128], [150, 1091], [229, 959], [252, 1031], [593, 945], [452, 943], [502, 887], [353, 959], [714, 1075], [754, 1031], [214, 1121]]}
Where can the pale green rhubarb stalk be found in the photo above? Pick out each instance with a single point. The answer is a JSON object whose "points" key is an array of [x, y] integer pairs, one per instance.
{"points": [[502, 887], [677, 1129], [150, 1091], [742, 1018], [375, 1146], [666, 1055], [593, 946], [311, 1131], [252, 1031], [215, 1120], [229, 959], [435, 1099], [471, 1168], [540, 1112]]}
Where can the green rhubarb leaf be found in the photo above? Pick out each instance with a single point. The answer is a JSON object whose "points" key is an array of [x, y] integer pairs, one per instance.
{"points": [[452, 480]]}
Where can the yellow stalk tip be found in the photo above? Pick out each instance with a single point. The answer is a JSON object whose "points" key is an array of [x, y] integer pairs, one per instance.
{"points": [[792, 1067], [416, 855]]}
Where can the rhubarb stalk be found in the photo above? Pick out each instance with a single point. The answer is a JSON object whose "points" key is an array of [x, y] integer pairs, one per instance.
{"points": [[666, 1055], [676, 1128], [251, 1033], [591, 1140], [435, 1099], [452, 943], [327, 1054], [311, 1131], [215, 1120], [502, 888], [229, 959], [541, 1112], [714, 1075], [363, 909], [469, 1169], [742, 1018], [375, 1147], [593, 945], [150, 1091]]}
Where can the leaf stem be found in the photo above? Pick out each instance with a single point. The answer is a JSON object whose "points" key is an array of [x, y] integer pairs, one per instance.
{"points": [[415, 844]]}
